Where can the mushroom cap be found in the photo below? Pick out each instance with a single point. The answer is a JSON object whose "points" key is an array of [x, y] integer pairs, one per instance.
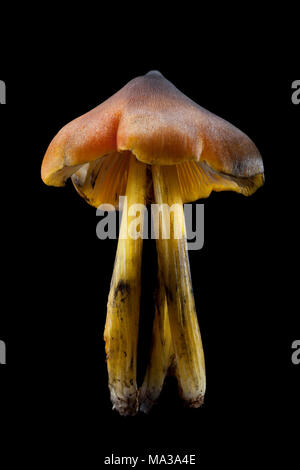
{"points": [[153, 120]]}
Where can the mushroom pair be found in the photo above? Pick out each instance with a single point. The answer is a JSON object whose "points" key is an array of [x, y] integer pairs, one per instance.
{"points": [[151, 143]]}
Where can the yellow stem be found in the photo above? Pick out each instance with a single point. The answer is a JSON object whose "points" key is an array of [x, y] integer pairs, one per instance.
{"points": [[174, 261], [123, 307], [162, 353]]}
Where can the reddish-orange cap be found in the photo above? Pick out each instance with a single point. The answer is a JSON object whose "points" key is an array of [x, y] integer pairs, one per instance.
{"points": [[152, 119]]}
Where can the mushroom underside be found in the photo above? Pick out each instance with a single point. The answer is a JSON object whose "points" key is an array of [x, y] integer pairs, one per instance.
{"points": [[104, 180]]}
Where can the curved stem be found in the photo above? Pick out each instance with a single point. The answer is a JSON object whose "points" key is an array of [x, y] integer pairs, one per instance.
{"points": [[174, 261], [162, 353], [123, 307]]}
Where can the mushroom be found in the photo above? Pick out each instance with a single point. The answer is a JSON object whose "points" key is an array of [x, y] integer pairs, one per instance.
{"points": [[152, 143]]}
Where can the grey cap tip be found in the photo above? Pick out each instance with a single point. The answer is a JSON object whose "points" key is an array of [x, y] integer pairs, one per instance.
{"points": [[154, 73]]}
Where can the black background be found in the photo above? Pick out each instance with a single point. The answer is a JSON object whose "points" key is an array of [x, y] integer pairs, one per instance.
{"points": [[57, 273]]}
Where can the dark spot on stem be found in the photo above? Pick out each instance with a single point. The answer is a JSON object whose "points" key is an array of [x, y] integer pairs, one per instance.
{"points": [[182, 300], [123, 288]]}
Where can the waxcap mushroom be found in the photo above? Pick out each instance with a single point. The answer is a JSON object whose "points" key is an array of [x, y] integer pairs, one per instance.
{"points": [[150, 142], [153, 120]]}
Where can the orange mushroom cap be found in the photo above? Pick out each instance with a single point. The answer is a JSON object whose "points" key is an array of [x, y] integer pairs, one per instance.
{"points": [[152, 119]]}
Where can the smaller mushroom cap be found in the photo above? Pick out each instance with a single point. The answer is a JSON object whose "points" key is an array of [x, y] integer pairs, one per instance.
{"points": [[152, 119]]}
